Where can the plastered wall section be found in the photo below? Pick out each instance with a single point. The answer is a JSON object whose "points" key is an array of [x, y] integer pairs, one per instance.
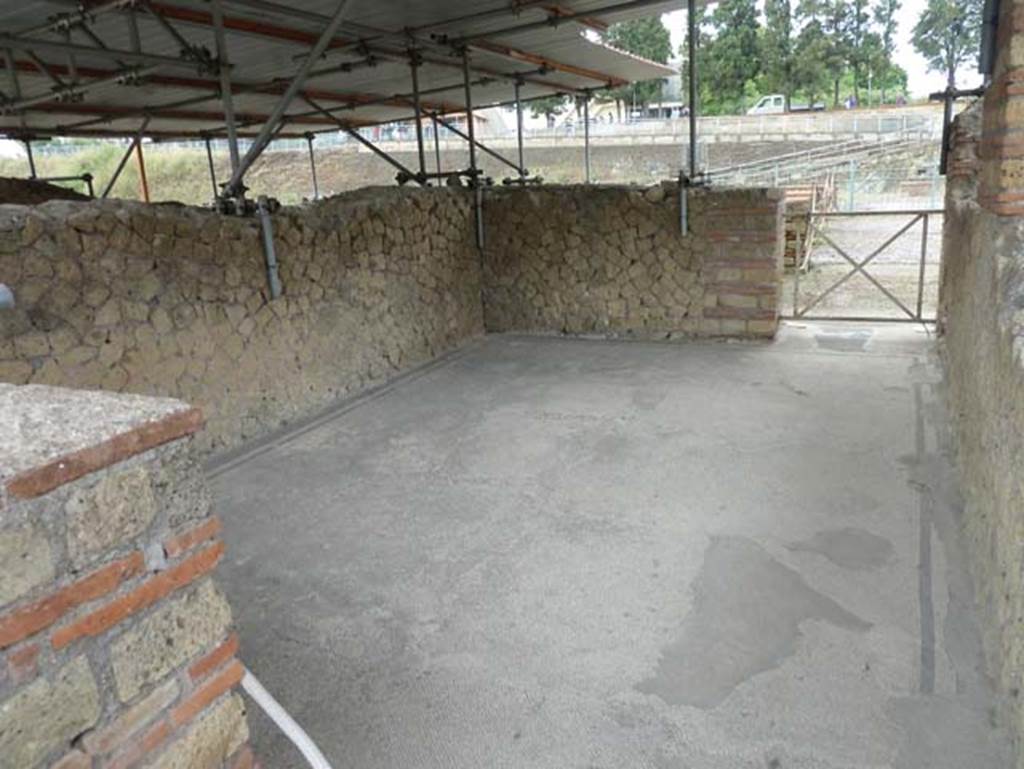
{"points": [[173, 301], [616, 261], [116, 645], [982, 317]]}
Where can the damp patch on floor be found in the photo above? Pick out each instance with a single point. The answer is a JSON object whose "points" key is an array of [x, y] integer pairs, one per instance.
{"points": [[746, 619]]}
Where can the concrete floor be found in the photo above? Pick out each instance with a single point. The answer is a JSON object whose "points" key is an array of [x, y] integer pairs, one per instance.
{"points": [[566, 553]]}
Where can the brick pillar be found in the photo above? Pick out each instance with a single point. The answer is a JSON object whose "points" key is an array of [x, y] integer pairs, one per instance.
{"points": [[1001, 188], [116, 647], [744, 232]]}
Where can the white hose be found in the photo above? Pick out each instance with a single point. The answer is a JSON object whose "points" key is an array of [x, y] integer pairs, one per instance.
{"points": [[285, 722]]}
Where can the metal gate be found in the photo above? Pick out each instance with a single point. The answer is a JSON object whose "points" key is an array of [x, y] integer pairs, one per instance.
{"points": [[901, 285]]}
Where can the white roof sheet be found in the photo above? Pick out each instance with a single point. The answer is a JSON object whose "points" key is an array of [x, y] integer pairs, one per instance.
{"points": [[506, 39]]}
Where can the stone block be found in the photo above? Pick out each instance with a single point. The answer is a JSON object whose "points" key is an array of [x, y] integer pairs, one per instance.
{"points": [[26, 562], [111, 513], [47, 714], [129, 722], [215, 736], [177, 631]]}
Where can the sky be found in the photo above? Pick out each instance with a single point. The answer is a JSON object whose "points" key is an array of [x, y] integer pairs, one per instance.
{"points": [[921, 82]]}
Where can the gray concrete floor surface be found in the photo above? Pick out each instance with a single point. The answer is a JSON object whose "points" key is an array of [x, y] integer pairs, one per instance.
{"points": [[544, 552]]}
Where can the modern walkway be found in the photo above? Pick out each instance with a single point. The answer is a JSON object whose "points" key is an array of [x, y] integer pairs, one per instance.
{"points": [[564, 553]]}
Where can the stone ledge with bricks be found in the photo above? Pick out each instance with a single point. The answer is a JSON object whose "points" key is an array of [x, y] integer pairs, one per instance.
{"points": [[116, 646]]}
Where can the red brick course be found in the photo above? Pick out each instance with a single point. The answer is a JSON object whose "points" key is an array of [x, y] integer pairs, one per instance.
{"points": [[20, 623], [146, 594], [208, 529], [215, 659]]}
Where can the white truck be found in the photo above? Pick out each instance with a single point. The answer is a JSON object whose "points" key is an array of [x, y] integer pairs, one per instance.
{"points": [[775, 104]]}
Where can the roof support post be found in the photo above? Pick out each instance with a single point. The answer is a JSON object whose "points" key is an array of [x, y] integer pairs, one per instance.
{"points": [[224, 68], [474, 171], [312, 166], [414, 66], [31, 160], [437, 144], [234, 185], [213, 173], [586, 136], [143, 182], [691, 44], [519, 130], [124, 159]]}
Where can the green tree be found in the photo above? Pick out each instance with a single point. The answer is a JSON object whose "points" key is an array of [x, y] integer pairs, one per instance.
{"points": [[835, 16], [810, 74], [888, 24], [646, 37], [948, 34], [779, 48], [549, 107], [860, 42], [731, 58]]}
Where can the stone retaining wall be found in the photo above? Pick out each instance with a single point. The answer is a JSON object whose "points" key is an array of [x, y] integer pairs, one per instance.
{"points": [[116, 646], [612, 260], [982, 315], [170, 300]]}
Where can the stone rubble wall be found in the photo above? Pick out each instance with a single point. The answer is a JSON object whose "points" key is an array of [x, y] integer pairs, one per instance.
{"points": [[116, 645], [172, 300], [613, 261], [982, 317]]}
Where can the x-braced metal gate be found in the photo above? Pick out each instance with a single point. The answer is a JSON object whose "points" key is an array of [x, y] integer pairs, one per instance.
{"points": [[816, 229]]}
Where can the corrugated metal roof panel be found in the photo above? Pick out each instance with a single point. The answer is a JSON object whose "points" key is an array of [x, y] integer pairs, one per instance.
{"points": [[266, 41]]}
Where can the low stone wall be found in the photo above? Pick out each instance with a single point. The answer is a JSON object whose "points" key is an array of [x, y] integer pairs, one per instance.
{"points": [[982, 316], [613, 260], [171, 300], [116, 646]]}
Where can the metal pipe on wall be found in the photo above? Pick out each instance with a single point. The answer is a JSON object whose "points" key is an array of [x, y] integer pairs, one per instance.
{"points": [[267, 230]]}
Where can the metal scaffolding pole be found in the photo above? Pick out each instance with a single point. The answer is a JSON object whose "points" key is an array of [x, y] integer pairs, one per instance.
{"points": [[227, 98], [31, 159], [124, 158], [143, 181], [474, 171], [312, 166], [414, 66], [480, 145], [233, 186], [209, 162], [691, 43], [586, 135], [362, 139], [437, 145], [519, 131]]}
